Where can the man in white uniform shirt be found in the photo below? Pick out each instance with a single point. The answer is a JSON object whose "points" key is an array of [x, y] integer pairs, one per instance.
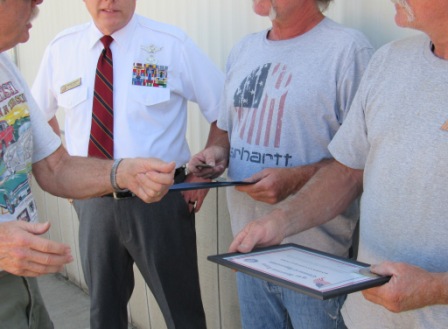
{"points": [[157, 69], [31, 147]]}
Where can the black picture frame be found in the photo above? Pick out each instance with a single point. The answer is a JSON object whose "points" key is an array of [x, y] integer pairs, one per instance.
{"points": [[185, 186], [371, 280]]}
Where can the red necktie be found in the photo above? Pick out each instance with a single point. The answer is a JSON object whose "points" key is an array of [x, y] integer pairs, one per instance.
{"points": [[101, 144]]}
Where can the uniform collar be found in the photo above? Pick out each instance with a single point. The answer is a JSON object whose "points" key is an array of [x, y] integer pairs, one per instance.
{"points": [[121, 37]]}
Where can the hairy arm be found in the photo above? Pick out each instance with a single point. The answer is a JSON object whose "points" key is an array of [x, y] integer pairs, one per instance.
{"points": [[80, 177], [328, 193]]}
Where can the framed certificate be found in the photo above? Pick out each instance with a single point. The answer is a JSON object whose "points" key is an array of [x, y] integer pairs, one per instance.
{"points": [[202, 185], [305, 270]]}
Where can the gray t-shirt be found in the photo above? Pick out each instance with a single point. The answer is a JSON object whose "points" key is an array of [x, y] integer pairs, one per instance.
{"points": [[397, 131], [283, 103]]}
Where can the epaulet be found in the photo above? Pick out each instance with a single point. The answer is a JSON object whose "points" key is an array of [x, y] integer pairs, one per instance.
{"points": [[70, 31], [160, 27]]}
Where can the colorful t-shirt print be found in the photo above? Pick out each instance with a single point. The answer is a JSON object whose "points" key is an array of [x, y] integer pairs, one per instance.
{"points": [[16, 201]]}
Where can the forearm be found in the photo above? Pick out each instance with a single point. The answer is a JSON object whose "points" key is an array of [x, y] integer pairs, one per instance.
{"points": [[73, 177], [82, 177], [441, 288], [299, 176], [53, 122], [433, 290], [218, 137], [328, 193]]}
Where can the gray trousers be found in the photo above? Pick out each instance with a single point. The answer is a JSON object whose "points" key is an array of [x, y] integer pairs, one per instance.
{"points": [[160, 238], [21, 305]]}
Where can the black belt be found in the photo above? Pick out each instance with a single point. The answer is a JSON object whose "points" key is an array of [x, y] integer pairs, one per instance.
{"points": [[121, 195], [178, 171], [129, 194]]}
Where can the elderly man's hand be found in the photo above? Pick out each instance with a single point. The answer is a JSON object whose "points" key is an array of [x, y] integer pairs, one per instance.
{"points": [[262, 232], [24, 253], [273, 185], [149, 179], [409, 288], [195, 198], [209, 163]]}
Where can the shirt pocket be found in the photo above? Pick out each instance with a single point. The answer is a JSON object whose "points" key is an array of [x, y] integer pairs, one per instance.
{"points": [[149, 96], [73, 97]]}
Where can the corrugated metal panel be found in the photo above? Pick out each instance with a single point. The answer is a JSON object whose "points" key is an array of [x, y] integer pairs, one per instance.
{"points": [[215, 26]]}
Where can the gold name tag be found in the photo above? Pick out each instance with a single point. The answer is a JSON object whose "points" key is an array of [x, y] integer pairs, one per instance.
{"points": [[71, 85]]}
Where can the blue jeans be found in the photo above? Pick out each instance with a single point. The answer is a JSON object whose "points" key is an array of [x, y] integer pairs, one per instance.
{"points": [[264, 305]]}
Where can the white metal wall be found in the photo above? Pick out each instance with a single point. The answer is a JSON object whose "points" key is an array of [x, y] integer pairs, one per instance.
{"points": [[215, 25]]}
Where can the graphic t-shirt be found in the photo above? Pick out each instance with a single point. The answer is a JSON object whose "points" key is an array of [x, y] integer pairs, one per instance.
{"points": [[283, 103], [17, 128]]}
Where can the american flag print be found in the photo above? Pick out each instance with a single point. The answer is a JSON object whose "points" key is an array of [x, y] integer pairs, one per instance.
{"points": [[260, 103]]}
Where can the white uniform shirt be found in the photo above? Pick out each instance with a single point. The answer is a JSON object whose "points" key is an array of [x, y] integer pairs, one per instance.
{"points": [[149, 120]]}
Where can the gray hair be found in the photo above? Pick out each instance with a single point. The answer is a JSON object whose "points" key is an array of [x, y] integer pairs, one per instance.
{"points": [[323, 4]]}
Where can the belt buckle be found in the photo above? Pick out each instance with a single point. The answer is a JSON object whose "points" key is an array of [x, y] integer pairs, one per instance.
{"points": [[122, 195]]}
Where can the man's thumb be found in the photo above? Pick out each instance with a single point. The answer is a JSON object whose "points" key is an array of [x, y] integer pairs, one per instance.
{"points": [[37, 228]]}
